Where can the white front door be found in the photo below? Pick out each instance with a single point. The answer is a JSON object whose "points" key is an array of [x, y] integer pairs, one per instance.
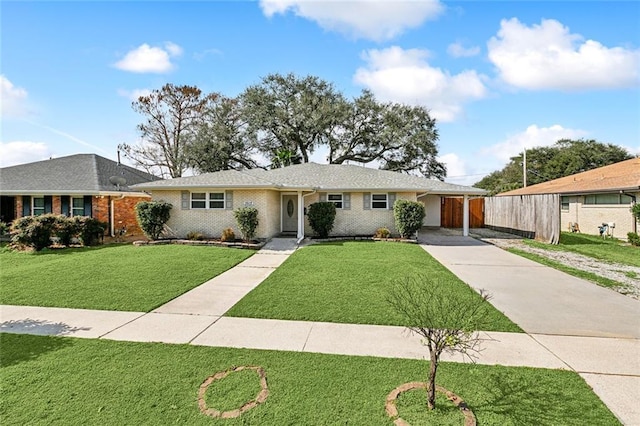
{"points": [[289, 213]]}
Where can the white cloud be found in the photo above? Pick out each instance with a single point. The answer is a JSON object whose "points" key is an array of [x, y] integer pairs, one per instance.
{"points": [[533, 136], [456, 168], [13, 98], [457, 50], [134, 94], [20, 152], [405, 76], [548, 56], [146, 58], [369, 19]]}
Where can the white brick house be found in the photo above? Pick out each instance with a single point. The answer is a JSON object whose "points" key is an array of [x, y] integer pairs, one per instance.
{"points": [[363, 197]]}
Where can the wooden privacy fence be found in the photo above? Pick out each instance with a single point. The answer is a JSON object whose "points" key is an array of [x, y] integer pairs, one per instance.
{"points": [[532, 216]]}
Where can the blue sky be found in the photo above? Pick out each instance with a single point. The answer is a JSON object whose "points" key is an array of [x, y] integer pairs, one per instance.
{"points": [[497, 75]]}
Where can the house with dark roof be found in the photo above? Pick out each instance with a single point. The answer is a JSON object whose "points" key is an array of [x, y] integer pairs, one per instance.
{"points": [[595, 197], [363, 198], [76, 185]]}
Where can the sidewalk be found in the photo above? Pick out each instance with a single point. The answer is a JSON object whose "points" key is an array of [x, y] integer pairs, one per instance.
{"points": [[611, 365]]}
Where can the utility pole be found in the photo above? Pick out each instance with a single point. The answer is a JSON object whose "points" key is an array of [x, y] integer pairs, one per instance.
{"points": [[524, 167]]}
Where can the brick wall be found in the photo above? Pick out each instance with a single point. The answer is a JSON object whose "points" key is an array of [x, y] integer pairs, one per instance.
{"points": [[590, 216], [357, 220], [125, 214], [211, 222], [18, 206], [56, 207]]}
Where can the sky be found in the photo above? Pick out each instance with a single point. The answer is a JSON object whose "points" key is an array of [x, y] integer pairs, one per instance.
{"points": [[498, 76]]}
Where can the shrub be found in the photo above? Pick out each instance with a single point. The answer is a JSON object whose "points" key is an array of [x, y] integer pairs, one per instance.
{"points": [[152, 216], [635, 209], [633, 238], [33, 231], [91, 230], [195, 236], [4, 228], [409, 216], [382, 233], [66, 229], [228, 235], [321, 217], [247, 219]]}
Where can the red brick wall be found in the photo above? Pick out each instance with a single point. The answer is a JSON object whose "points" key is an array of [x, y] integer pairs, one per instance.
{"points": [[56, 208], [125, 214], [100, 208], [18, 206]]}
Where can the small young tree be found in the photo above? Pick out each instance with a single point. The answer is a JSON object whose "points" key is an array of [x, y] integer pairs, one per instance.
{"points": [[635, 210], [444, 322], [321, 217], [247, 220], [152, 216], [408, 216]]}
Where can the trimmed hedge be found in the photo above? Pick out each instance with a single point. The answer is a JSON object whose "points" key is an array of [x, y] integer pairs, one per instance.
{"points": [[152, 216], [247, 220], [321, 216], [408, 216]]}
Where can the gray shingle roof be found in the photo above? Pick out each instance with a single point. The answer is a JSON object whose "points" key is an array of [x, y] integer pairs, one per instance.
{"points": [[81, 173], [323, 177]]}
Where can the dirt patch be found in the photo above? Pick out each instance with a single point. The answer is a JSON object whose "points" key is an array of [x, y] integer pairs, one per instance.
{"points": [[392, 411], [259, 399]]}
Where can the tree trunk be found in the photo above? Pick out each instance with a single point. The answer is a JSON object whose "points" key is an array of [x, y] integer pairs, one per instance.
{"points": [[431, 383]]}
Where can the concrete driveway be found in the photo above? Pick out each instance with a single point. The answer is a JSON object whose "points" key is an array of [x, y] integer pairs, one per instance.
{"points": [[539, 299]]}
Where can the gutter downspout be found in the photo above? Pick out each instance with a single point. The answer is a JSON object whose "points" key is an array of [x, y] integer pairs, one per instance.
{"points": [[301, 215], [112, 214]]}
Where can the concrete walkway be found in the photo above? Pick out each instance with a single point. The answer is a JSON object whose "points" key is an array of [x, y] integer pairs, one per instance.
{"points": [[606, 356]]}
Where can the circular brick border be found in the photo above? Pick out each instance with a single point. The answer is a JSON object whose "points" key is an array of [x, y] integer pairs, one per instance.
{"points": [[231, 414], [392, 410]]}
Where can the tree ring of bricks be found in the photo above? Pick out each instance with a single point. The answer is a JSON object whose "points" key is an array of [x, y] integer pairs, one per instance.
{"points": [[259, 399], [392, 410]]}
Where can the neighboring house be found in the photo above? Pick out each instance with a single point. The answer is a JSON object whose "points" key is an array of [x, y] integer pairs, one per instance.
{"points": [[363, 197], [77, 185], [594, 197]]}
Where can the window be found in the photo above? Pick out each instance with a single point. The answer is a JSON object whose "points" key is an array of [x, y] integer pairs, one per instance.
{"points": [[198, 200], [211, 200], [38, 206], [336, 199], [379, 201], [216, 200], [77, 206], [607, 199], [564, 204]]}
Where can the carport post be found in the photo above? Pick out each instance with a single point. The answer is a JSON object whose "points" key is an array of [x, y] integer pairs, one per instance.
{"points": [[300, 234], [465, 215]]}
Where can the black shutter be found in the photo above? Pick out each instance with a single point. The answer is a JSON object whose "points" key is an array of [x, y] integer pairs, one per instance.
{"points": [[87, 206], [65, 205], [26, 205], [48, 204]]}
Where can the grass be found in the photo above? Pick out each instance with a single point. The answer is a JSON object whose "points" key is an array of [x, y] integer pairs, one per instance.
{"points": [[609, 250], [56, 380], [601, 281], [113, 277], [348, 282]]}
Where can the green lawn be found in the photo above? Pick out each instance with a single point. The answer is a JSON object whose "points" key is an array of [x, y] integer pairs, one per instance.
{"points": [[111, 277], [56, 380], [609, 250], [348, 282]]}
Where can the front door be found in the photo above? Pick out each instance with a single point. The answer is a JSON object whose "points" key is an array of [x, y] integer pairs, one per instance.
{"points": [[289, 213]]}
